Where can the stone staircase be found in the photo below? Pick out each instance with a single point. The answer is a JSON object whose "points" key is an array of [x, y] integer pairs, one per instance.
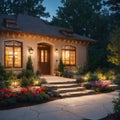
{"points": [[66, 87]]}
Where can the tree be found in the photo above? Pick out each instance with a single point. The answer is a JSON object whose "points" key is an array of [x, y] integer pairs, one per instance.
{"points": [[114, 6], [78, 15], [114, 47], [87, 18], [29, 65], [31, 7]]}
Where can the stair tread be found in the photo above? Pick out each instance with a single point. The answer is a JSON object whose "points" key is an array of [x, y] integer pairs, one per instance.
{"points": [[58, 85], [75, 88], [77, 92]]}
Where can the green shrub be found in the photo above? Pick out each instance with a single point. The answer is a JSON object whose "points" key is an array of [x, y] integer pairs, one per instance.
{"points": [[116, 104], [39, 98], [30, 98], [8, 102], [88, 86], [79, 80], [38, 73], [26, 73], [29, 65], [92, 77], [25, 82], [117, 79], [43, 81], [67, 74], [61, 66], [44, 95]]}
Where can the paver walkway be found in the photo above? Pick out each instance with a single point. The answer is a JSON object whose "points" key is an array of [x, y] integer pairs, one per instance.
{"points": [[92, 107]]}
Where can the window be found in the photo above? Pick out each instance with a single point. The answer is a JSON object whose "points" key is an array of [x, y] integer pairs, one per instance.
{"points": [[13, 54], [69, 55], [10, 23]]}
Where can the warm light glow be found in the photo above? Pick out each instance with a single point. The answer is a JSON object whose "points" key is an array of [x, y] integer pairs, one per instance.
{"points": [[15, 83], [36, 82], [30, 50]]}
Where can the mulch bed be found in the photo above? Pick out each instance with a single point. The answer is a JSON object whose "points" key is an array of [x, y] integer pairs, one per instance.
{"points": [[18, 105], [112, 117]]}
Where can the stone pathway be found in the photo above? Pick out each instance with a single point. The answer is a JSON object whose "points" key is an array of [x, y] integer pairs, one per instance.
{"points": [[66, 87], [93, 107]]}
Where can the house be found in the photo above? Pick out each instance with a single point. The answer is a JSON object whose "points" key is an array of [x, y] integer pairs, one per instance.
{"points": [[23, 35]]}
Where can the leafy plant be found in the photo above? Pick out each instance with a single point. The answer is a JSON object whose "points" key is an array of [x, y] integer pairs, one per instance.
{"points": [[67, 74], [61, 66], [79, 80], [92, 77], [25, 82], [117, 79], [88, 86], [38, 73], [116, 104]]}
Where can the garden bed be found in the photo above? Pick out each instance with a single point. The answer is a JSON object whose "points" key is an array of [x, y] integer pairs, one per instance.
{"points": [[22, 97]]}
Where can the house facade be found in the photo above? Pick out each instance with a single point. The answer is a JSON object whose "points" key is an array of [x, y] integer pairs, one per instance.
{"points": [[22, 36]]}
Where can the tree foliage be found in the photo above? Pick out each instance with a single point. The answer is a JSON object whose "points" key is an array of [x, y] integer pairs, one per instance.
{"points": [[114, 47], [31, 7], [87, 18]]}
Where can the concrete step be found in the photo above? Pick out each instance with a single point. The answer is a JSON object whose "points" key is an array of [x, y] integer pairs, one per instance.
{"points": [[114, 87], [66, 82], [55, 79], [73, 89], [77, 93], [62, 85]]}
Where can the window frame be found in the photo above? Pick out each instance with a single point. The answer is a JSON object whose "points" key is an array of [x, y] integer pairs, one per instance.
{"points": [[68, 49], [13, 49]]}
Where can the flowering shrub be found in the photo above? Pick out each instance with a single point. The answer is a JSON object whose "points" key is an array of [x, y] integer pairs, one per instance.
{"points": [[31, 94], [101, 86]]}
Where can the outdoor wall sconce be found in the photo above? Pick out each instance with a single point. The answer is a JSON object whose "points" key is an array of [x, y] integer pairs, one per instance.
{"points": [[56, 50], [30, 50]]}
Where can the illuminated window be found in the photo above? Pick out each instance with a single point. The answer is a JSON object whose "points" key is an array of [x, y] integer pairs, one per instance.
{"points": [[13, 54], [69, 55]]}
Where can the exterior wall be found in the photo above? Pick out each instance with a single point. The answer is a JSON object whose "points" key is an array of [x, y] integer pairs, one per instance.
{"points": [[81, 50]]}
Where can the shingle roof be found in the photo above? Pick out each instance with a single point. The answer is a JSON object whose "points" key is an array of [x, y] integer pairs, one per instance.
{"points": [[33, 25]]}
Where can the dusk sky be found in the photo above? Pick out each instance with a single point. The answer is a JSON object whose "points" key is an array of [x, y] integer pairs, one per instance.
{"points": [[51, 6]]}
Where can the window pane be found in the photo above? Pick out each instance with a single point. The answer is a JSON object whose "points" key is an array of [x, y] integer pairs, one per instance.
{"points": [[17, 57], [46, 56], [13, 54], [9, 56], [42, 56], [68, 55]]}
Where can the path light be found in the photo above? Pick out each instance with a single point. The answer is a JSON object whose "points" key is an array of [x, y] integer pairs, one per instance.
{"points": [[15, 83], [30, 50]]}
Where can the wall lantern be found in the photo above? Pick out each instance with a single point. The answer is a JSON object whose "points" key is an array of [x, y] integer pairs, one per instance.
{"points": [[30, 50], [56, 50]]}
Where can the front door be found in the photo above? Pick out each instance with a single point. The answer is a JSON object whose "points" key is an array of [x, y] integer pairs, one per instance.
{"points": [[44, 58]]}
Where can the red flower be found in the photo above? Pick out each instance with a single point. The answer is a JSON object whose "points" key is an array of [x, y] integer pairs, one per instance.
{"points": [[43, 89], [29, 87], [34, 94], [13, 95], [38, 90], [1, 91], [23, 91], [8, 90], [6, 96]]}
